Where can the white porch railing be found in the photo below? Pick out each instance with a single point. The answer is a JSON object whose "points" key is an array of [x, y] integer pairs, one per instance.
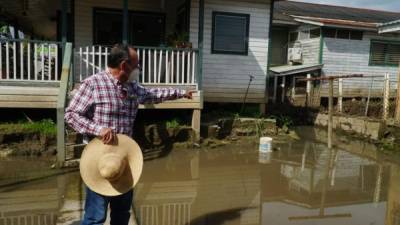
{"points": [[29, 60], [160, 66]]}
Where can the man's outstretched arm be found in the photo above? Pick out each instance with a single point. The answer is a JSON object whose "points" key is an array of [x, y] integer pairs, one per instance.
{"points": [[158, 95]]}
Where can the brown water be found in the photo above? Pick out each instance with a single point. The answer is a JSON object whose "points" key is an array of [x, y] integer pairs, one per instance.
{"points": [[303, 183]]}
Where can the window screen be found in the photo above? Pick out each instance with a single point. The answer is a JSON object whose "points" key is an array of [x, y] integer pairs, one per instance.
{"points": [[385, 53]]}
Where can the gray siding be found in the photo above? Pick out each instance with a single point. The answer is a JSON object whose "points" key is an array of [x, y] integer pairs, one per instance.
{"points": [[225, 77], [310, 50], [341, 57]]}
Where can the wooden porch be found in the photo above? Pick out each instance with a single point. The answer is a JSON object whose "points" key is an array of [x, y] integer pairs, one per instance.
{"points": [[32, 76]]}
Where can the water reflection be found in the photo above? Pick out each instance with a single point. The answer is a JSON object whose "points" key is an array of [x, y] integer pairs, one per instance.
{"points": [[302, 183]]}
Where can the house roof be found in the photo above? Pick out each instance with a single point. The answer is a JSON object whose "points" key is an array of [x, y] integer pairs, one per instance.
{"points": [[294, 69], [393, 26], [329, 14]]}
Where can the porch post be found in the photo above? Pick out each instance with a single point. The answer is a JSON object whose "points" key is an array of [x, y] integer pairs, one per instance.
{"points": [[125, 22], [200, 44], [269, 54], [275, 89]]}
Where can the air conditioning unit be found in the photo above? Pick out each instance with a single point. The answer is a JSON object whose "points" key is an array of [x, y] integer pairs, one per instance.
{"points": [[295, 55]]}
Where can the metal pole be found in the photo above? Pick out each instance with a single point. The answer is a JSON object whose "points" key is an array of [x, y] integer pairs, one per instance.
{"points": [[330, 109], [245, 96]]}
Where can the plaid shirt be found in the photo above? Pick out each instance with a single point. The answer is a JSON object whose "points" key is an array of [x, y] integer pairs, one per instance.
{"points": [[104, 102]]}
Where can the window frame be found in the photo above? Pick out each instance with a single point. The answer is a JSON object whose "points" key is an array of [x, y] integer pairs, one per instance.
{"points": [[96, 10], [227, 52], [384, 64]]}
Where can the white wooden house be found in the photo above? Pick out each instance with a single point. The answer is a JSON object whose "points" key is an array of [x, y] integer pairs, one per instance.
{"points": [[332, 40]]}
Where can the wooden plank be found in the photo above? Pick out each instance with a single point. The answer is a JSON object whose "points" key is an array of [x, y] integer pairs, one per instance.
{"points": [[21, 56], [42, 105], [29, 98], [42, 58], [7, 60], [12, 90], [172, 105], [29, 60], [35, 61], [15, 60]]}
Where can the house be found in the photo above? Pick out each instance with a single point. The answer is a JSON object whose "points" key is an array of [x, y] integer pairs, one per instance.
{"points": [[326, 40], [212, 46]]}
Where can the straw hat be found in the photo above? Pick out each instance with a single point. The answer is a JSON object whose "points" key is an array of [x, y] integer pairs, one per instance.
{"points": [[111, 170]]}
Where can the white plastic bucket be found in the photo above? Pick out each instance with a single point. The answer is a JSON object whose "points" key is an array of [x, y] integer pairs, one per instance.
{"points": [[265, 144]]}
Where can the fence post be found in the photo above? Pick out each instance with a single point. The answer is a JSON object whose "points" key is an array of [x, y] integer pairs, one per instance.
{"points": [[386, 97], [330, 113], [397, 116], [340, 97], [308, 90]]}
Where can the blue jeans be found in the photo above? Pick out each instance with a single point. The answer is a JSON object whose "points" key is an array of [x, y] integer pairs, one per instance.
{"points": [[96, 206]]}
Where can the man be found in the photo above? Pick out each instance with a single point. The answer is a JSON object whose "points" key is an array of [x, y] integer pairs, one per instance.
{"points": [[106, 104]]}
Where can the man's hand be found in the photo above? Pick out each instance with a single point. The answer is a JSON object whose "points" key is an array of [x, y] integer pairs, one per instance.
{"points": [[108, 136], [189, 94]]}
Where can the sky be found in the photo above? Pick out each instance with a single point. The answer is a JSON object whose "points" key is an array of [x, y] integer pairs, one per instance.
{"points": [[388, 5]]}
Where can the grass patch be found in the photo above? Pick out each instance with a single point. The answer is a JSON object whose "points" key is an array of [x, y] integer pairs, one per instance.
{"points": [[173, 124], [46, 126]]}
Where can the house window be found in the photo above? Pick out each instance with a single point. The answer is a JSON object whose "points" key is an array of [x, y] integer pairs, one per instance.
{"points": [[293, 36], [230, 33], [329, 32], [342, 34], [315, 33], [107, 28], [384, 53], [356, 35], [145, 28]]}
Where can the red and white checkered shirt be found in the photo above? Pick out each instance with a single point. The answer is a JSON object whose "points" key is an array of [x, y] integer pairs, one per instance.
{"points": [[104, 102]]}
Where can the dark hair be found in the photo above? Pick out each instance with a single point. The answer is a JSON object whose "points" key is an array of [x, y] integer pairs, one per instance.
{"points": [[118, 53]]}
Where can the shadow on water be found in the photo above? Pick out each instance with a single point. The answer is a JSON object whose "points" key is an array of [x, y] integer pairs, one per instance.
{"points": [[217, 218]]}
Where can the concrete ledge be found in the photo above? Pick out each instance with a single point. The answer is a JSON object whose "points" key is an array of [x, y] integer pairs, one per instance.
{"points": [[368, 128]]}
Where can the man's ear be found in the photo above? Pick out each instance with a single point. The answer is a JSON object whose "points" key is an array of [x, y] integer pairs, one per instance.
{"points": [[122, 65]]}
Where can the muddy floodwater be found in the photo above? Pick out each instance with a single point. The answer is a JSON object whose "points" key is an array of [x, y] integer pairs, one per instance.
{"points": [[301, 183]]}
